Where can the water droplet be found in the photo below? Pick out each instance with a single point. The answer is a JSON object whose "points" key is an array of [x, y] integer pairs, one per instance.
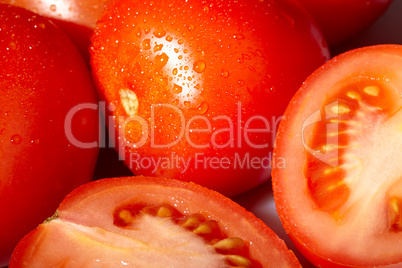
{"points": [[218, 95], [187, 103], [206, 9], [160, 32], [186, 68], [238, 36], [158, 47], [174, 71], [169, 38], [176, 50], [146, 44], [251, 68], [53, 8], [180, 42], [224, 73], [176, 102], [190, 27], [16, 139], [198, 87], [160, 61], [203, 108], [147, 30], [241, 83], [177, 89], [199, 66]]}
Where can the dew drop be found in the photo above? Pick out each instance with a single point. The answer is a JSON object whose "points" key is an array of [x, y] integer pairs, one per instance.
{"points": [[203, 108], [146, 44], [169, 38], [158, 47], [187, 103], [238, 36], [160, 61], [160, 32], [199, 66], [177, 89], [176, 102], [241, 83], [224, 73], [180, 42], [175, 71], [53, 8], [16, 139]]}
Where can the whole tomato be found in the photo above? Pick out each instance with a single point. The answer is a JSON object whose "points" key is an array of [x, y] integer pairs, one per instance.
{"points": [[196, 88], [76, 17], [48, 122]]}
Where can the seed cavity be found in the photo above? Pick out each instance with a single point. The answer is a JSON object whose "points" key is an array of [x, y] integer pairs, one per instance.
{"points": [[372, 90], [230, 243], [233, 250], [340, 109], [129, 101], [239, 260], [354, 95]]}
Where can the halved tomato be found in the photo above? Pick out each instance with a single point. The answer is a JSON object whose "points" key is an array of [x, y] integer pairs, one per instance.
{"points": [[151, 222], [339, 195]]}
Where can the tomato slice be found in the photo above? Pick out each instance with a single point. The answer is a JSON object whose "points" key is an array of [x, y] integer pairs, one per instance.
{"points": [[339, 195], [151, 222]]}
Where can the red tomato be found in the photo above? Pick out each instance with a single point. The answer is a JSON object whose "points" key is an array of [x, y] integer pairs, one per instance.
{"points": [[197, 88], [339, 196], [76, 17], [43, 83], [341, 20], [151, 222]]}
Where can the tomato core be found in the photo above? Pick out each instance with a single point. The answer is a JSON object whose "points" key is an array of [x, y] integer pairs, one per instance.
{"points": [[339, 141], [233, 249]]}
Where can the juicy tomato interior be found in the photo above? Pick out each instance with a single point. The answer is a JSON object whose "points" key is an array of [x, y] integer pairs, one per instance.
{"points": [[342, 138], [151, 222]]}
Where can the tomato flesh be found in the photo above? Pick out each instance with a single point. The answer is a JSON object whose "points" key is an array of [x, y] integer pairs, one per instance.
{"points": [[150, 222], [341, 136]]}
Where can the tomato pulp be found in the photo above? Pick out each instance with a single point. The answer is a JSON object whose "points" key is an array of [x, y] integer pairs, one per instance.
{"points": [[341, 139], [44, 88], [151, 222], [196, 88]]}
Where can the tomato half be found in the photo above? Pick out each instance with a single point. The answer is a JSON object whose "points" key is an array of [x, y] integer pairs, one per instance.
{"points": [[76, 17], [151, 222], [339, 196], [196, 88], [341, 20], [48, 108]]}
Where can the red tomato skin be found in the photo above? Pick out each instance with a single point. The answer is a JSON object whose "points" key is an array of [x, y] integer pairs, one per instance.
{"points": [[289, 42], [42, 79], [341, 20], [76, 18], [278, 177], [235, 219]]}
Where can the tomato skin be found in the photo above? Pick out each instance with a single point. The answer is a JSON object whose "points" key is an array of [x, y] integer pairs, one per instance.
{"points": [[341, 20], [292, 194], [77, 18], [42, 79], [186, 197], [242, 60]]}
